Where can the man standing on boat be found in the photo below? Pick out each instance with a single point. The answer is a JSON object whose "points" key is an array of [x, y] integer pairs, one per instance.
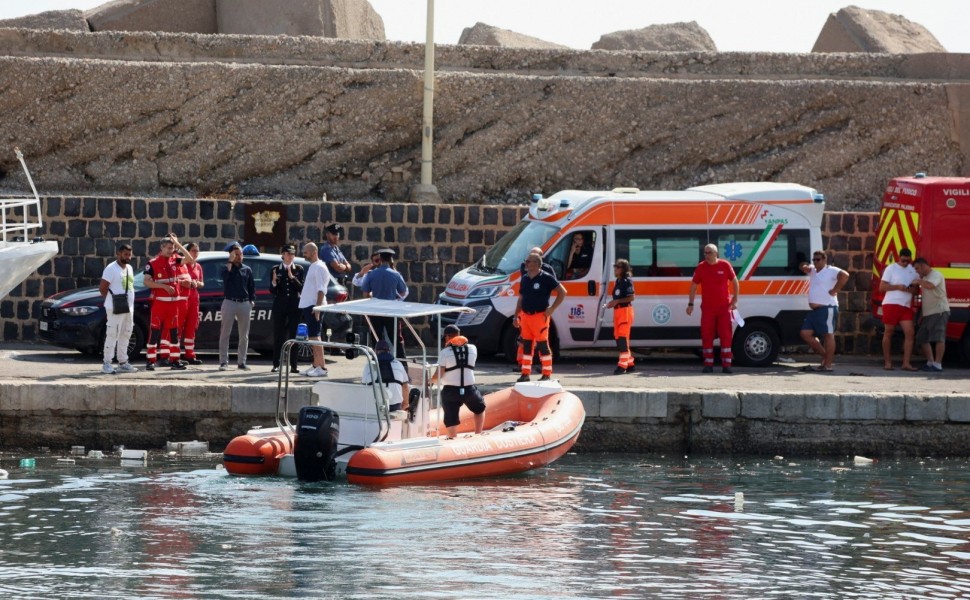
{"points": [[386, 283], [314, 293], [533, 315], [719, 296], [457, 376], [118, 285]]}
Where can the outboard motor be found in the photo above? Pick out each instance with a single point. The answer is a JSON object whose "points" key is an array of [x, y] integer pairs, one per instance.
{"points": [[315, 450]]}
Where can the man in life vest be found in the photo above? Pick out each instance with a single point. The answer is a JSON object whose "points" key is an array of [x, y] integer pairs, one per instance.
{"points": [[457, 376], [162, 277], [394, 377]]}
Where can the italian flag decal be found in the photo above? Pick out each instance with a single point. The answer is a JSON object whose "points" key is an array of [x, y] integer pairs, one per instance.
{"points": [[768, 237]]}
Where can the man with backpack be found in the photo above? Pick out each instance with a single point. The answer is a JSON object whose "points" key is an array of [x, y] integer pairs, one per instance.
{"points": [[457, 376]]}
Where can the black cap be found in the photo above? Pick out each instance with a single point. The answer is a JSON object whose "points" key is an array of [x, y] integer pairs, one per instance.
{"points": [[335, 229], [387, 252], [288, 248], [232, 245], [452, 330]]}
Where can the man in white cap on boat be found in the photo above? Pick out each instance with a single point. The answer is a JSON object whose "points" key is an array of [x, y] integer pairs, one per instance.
{"points": [[457, 376]]}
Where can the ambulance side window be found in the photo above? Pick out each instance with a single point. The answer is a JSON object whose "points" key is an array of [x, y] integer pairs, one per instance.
{"points": [[774, 254], [655, 253], [568, 264]]}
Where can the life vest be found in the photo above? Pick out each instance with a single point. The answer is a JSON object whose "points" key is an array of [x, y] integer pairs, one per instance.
{"points": [[459, 347], [384, 361]]}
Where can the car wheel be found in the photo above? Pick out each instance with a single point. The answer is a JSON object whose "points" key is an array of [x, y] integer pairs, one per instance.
{"points": [[510, 343], [756, 344], [136, 343]]}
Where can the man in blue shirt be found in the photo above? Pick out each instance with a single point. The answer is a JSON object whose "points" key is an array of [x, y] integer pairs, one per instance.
{"points": [[238, 300], [331, 255], [385, 283]]}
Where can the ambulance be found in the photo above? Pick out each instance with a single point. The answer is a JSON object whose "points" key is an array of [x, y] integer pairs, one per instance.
{"points": [[931, 217], [764, 229]]}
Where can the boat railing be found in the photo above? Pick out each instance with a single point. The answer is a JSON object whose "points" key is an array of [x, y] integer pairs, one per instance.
{"points": [[20, 217], [283, 385]]}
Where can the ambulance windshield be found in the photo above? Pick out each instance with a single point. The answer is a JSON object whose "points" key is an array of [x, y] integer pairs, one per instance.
{"points": [[507, 254]]}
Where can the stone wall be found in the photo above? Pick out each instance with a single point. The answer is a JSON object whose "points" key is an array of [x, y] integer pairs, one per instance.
{"points": [[248, 116], [433, 243]]}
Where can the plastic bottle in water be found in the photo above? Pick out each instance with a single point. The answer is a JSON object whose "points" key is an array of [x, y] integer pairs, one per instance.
{"points": [[301, 332]]}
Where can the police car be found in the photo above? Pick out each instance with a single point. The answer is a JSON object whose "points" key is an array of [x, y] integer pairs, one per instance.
{"points": [[76, 319]]}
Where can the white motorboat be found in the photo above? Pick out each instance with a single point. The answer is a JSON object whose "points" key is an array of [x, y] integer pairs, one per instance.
{"points": [[21, 253]]}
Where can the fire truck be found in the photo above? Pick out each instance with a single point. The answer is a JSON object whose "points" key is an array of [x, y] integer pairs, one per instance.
{"points": [[931, 217]]}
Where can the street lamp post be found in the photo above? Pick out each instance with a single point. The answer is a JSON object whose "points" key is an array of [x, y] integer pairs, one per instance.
{"points": [[426, 192]]}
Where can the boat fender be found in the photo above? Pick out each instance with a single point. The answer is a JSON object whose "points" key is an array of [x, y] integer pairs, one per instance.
{"points": [[315, 450]]}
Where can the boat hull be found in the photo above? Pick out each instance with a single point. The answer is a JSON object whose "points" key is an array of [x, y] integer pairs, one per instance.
{"points": [[258, 452], [547, 426]]}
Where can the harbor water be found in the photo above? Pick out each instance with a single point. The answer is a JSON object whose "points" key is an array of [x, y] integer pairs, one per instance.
{"points": [[590, 526]]}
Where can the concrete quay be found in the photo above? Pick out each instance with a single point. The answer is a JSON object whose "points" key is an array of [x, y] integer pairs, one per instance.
{"points": [[58, 398]]}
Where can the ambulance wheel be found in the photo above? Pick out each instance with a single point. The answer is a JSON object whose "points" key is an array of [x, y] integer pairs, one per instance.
{"points": [[756, 344], [965, 346]]}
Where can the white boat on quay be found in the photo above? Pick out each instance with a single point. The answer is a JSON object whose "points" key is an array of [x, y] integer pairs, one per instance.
{"points": [[21, 252]]}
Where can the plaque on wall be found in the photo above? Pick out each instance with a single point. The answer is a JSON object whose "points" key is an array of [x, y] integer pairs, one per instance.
{"points": [[265, 225]]}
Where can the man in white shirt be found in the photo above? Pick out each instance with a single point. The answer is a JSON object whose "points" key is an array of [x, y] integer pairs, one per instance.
{"points": [[823, 289], [456, 372], [935, 313], [118, 283], [898, 283], [314, 294]]}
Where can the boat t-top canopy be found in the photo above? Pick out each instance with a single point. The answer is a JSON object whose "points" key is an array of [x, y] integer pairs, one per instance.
{"points": [[394, 309], [372, 307]]}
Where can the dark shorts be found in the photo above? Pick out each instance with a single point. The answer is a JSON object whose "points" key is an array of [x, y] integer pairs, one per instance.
{"points": [[312, 321], [932, 328], [452, 401], [821, 320]]}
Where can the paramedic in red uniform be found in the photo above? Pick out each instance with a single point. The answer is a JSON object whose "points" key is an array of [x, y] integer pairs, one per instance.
{"points": [[161, 276], [717, 280], [533, 313], [189, 321], [622, 305]]}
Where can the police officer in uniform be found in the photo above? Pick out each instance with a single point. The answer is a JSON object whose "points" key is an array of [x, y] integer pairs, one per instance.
{"points": [[286, 284], [457, 376]]}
